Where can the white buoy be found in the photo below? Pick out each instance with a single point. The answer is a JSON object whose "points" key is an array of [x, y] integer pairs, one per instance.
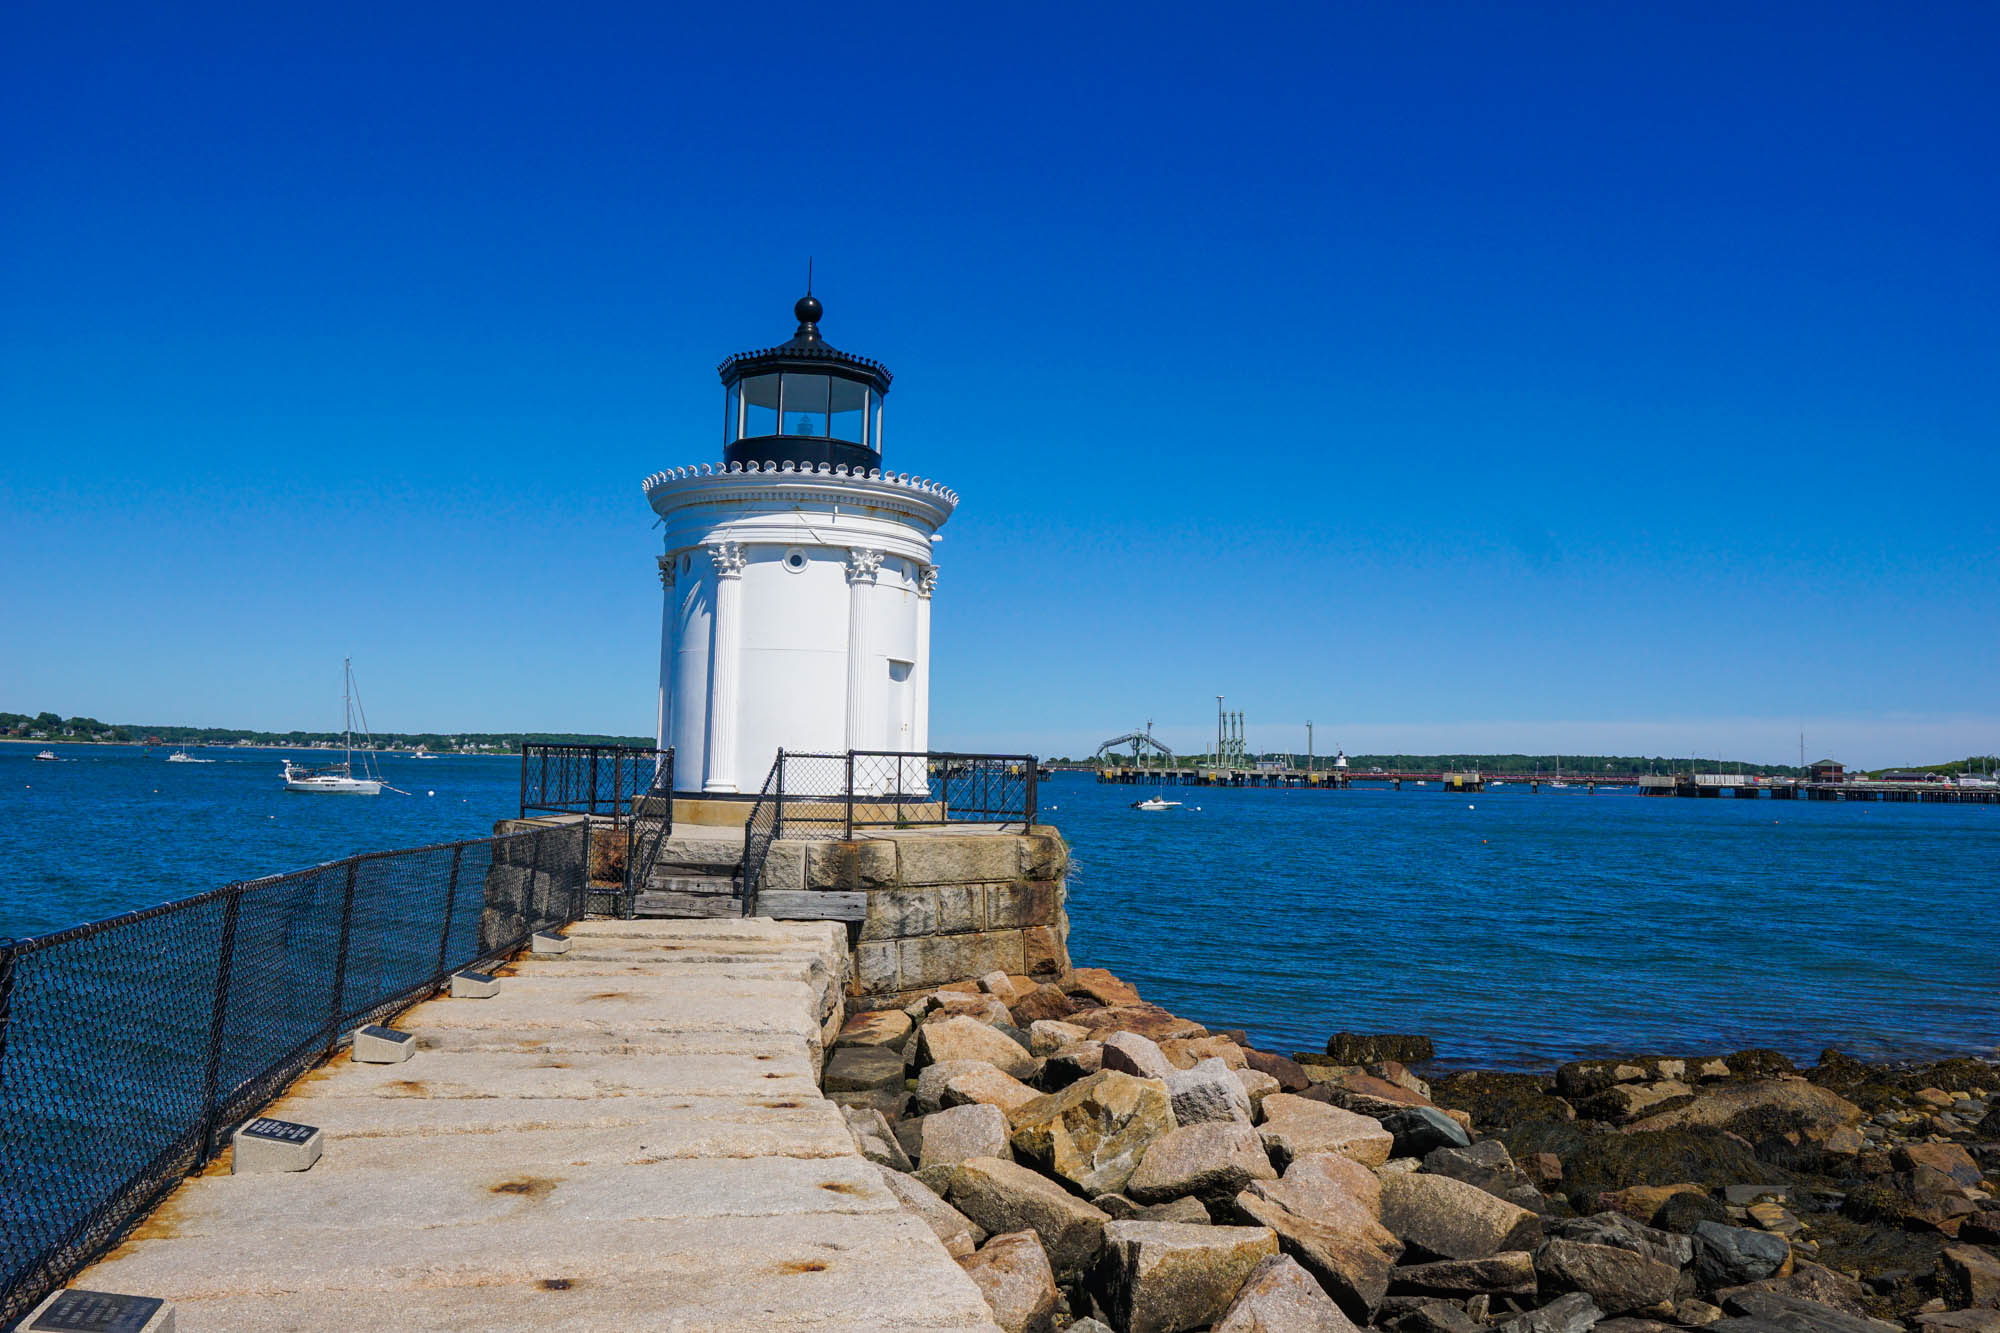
{"points": [[430, 793]]}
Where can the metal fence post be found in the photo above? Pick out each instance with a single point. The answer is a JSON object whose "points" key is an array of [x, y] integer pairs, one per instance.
{"points": [[1034, 795], [212, 1075], [7, 955], [850, 796], [340, 960], [524, 781], [450, 906], [528, 890], [593, 778]]}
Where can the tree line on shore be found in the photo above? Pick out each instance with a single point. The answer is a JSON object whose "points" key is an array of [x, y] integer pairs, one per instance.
{"points": [[53, 727]]}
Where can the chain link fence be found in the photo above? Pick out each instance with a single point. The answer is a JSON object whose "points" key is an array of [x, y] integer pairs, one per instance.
{"points": [[827, 796], [131, 1048]]}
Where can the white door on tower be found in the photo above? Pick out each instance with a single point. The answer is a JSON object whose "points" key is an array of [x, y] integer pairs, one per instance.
{"points": [[903, 724]]}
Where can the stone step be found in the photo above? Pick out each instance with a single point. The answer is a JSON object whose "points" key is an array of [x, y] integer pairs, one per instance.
{"points": [[589, 1075], [709, 854], [688, 1124], [396, 1207], [687, 1128], [816, 1270]]}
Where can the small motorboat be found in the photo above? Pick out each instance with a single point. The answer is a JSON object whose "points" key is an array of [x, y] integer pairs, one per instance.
{"points": [[48, 757], [181, 756], [1156, 803], [422, 752]]}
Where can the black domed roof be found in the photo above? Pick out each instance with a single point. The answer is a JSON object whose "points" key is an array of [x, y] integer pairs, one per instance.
{"points": [[806, 350]]}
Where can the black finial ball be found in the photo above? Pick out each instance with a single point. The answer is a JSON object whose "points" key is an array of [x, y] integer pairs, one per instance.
{"points": [[808, 310]]}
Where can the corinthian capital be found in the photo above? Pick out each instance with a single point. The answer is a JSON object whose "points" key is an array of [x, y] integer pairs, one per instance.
{"points": [[927, 581], [728, 558], [862, 565]]}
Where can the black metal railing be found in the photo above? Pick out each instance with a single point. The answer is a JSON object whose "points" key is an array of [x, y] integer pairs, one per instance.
{"points": [[767, 816], [599, 780], [130, 1048], [651, 822], [828, 796]]}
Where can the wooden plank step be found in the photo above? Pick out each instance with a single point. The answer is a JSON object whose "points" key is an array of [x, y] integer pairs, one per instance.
{"points": [[711, 884], [812, 905], [657, 903]]}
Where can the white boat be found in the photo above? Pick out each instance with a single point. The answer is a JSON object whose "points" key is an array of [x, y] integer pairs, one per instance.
{"points": [[1496, 784], [181, 756], [49, 757], [422, 752], [338, 779], [1155, 803]]}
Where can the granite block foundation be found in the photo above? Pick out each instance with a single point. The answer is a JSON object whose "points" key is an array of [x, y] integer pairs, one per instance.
{"points": [[929, 907]]}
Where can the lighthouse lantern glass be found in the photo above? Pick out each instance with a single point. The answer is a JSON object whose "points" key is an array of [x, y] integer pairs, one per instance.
{"points": [[760, 406], [804, 411], [849, 412]]}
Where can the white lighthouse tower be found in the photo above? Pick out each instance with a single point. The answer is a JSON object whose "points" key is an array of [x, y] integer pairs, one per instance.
{"points": [[797, 574]]}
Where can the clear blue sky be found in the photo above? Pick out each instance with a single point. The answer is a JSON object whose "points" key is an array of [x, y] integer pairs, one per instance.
{"points": [[1594, 377]]}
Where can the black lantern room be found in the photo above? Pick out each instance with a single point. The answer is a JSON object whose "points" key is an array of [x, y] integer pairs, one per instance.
{"points": [[803, 401]]}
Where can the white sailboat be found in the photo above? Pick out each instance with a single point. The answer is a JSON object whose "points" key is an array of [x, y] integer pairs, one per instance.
{"points": [[339, 779]]}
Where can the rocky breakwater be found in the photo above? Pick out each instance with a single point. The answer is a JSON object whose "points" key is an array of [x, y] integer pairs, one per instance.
{"points": [[1869, 1190], [1094, 1162]]}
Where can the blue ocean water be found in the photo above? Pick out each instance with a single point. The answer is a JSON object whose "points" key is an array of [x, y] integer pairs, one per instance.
{"points": [[1517, 929], [113, 828], [1520, 929]]}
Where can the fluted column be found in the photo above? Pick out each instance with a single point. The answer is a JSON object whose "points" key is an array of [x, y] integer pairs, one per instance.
{"points": [[723, 666], [862, 687], [664, 719], [920, 733]]}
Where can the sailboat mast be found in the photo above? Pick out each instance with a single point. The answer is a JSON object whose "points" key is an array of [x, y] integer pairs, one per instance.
{"points": [[347, 708]]}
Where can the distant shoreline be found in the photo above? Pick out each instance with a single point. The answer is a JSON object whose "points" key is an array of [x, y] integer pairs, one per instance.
{"points": [[258, 745]]}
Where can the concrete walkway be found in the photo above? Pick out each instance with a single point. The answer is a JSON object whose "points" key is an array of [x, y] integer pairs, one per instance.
{"points": [[629, 1136]]}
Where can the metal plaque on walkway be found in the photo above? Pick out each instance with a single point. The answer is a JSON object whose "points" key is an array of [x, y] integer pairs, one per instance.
{"points": [[96, 1312]]}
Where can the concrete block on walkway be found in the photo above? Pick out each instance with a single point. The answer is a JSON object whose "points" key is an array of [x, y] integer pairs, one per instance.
{"points": [[377, 1045], [548, 942], [78, 1311], [474, 986], [275, 1145]]}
